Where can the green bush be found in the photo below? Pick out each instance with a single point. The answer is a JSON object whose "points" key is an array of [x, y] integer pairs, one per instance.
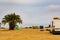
{"points": [[30, 27], [26, 27], [35, 27]]}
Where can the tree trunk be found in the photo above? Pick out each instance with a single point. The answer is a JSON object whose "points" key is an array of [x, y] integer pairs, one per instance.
{"points": [[11, 26]]}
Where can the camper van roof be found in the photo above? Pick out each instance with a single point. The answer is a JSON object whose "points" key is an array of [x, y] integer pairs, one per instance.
{"points": [[56, 17]]}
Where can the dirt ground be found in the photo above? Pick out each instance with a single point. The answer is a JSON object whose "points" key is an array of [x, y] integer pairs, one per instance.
{"points": [[27, 34]]}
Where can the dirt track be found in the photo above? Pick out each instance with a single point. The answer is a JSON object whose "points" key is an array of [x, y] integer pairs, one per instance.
{"points": [[27, 34]]}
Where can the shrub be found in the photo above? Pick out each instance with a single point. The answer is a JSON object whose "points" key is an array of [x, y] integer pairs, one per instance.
{"points": [[26, 27], [35, 27], [30, 27]]}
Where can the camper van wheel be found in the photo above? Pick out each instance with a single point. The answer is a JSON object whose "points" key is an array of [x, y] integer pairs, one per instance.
{"points": [[50, 31], [53, 31]]}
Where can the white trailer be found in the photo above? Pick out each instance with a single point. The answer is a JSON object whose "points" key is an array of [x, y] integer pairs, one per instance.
{"points": [[55, 26]]}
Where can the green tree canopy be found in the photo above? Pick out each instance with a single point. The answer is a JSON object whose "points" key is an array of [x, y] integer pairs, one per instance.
{"points": [[11, 19]]}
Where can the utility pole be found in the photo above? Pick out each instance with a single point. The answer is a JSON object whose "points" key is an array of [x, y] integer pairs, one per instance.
{"points": [[0, 25]]}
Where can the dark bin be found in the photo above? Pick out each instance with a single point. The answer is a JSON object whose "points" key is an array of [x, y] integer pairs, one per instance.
{"points": [[41, 27]]}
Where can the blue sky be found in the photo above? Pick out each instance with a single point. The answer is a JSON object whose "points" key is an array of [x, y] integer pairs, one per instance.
{"points": [[38, 12]]}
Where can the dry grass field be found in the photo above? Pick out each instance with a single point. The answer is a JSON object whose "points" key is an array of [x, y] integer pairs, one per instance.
{"points": [[27, 34]]}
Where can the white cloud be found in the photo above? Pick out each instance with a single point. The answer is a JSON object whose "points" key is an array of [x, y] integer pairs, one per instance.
{"points": [[53, 8], [30, 1], [26, 1], [21, 1]]}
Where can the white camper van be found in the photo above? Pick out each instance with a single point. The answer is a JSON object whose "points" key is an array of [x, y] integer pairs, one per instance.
{"points": [[55, 26]]}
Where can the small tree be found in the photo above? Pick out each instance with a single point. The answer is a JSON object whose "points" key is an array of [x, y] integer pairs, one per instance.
{"points": [[0, 25], [11, 19]]}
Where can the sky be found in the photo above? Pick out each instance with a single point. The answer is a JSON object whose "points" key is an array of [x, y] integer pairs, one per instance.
{"points": [[32, 12]]}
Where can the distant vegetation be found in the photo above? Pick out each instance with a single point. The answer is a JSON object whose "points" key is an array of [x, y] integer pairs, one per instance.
{"points": [[12, 20], [32, 27], [35, 27]]}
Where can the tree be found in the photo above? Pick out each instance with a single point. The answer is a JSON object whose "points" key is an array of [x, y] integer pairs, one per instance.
{"points": [[12, 20], [0, 25]]}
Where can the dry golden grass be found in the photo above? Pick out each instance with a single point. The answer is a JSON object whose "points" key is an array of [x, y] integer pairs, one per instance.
{"points": [[27, 34]]}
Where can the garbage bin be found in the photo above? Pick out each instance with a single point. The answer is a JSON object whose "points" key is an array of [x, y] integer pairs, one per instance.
{"points": [[17, 27], [42, 28]]}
